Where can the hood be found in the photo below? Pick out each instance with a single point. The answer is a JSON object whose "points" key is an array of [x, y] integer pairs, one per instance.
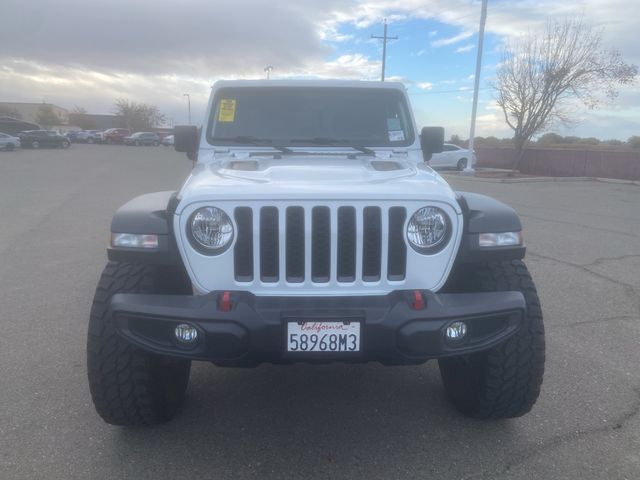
{"points": [[303, 177]]}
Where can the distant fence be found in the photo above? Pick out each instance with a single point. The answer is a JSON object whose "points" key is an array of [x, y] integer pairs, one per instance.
{"points": [[565, 163]]}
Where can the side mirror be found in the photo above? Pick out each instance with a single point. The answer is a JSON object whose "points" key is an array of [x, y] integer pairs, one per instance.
{"points": [[431, 141], [185, 139]]}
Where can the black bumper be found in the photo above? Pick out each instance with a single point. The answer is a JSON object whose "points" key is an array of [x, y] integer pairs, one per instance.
{"points": [[254, 329]]}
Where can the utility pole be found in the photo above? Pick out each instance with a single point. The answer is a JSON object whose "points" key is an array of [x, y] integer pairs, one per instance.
{"points": [[188, 105], [384, 39], [268, 69], [483, 18]]}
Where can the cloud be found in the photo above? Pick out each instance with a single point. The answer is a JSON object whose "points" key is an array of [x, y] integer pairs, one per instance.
{"points": [[424, 85], [441, 42], [465, 48]]}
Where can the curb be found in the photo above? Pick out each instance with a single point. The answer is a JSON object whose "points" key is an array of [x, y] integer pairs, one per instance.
{"points": [[472, 178]]}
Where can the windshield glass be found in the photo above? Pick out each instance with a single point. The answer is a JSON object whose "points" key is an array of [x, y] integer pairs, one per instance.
{"points": [[305, 116]]}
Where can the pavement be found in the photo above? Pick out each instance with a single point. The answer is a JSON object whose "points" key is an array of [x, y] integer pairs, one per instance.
{"points": [[311, 422]]}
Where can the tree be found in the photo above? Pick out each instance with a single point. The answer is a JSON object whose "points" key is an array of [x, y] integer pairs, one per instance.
{"points": [[46, 117], [634, 141], [540, 74], [550, 139], [138, 116]]}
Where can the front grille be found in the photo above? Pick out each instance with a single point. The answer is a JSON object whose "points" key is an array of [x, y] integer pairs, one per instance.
{"points": [[320, 244]]}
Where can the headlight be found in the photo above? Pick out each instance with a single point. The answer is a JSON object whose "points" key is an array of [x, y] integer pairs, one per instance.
{"points": [[210, 230], [429, 230]]}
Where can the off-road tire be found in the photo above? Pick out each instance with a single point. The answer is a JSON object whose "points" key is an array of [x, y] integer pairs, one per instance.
{"points": [[503, 382], [128, 385]]}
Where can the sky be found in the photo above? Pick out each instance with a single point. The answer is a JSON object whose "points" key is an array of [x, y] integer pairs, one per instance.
{"points": [[88, 53]]}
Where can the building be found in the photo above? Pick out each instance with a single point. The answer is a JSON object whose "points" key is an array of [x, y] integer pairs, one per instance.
{"points": [[28, 112], [89, 121]]}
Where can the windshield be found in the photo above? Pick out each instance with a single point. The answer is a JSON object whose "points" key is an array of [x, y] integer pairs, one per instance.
{"points": [[305, 116]]}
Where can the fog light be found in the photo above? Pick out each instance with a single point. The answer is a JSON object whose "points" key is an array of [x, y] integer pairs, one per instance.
{"points": [[185, 333], [456, 331]]}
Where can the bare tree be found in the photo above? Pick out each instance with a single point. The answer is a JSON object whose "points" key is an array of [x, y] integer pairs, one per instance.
{"points": [[541, 74], [46, 117], [138, 116]]}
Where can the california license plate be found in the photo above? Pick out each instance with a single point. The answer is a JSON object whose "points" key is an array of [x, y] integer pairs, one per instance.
{"points": [[323, 336]]}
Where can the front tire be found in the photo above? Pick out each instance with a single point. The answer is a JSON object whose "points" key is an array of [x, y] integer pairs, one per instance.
{"points": [[462, 164], [128, 385], [503, 382]]}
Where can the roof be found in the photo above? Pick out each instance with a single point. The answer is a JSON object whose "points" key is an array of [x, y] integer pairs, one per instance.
{"points": [[309, 83]]}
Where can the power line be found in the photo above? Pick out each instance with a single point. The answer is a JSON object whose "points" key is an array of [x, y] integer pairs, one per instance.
{"points": [[384, 39]]}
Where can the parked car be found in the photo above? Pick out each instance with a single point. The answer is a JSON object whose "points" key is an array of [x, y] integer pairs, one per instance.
{"points": [[142, 138], [43, 138], [453, 156], [115, 135], [8, 143], [87, 136], [167, 141], [72, 136], [316, 238]]}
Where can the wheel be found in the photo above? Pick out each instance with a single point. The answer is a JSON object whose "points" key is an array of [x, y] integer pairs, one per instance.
{"points": [[137, 143], [130, 386], [90, 140], [462, 164], [65, 144], [35, 144], [156, 143], [503, 382], [9, 147], [109, 141]]}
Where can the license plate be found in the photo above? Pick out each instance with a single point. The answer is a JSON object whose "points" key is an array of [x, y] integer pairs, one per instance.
{"points": [[323, 337]]}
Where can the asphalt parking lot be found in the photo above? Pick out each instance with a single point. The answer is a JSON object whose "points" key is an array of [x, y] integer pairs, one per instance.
{"points": [[305, 421]]}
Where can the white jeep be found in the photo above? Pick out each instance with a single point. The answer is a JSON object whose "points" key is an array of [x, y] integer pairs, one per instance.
{"points": [[312, 230]]}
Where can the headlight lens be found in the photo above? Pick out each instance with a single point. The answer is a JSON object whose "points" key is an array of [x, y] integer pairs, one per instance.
{"points": [[429, 230], [210, 230]]}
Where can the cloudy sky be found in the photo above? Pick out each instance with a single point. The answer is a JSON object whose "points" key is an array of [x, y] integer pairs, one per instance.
{"points": [[87, 53]]}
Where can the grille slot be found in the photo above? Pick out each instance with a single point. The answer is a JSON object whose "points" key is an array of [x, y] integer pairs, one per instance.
{"points": [[269, 258], [243, 251], [320, 244], [295, 244], [346, 269], [397, 254], [372, 244]]}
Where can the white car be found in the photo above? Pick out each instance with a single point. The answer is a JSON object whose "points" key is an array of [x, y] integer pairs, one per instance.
{"points": [[452, 156], [311, 230], [88, 136], [8, 143]]}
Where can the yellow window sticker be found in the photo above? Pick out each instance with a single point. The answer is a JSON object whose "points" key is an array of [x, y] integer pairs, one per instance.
{"points": [[227, 110]]}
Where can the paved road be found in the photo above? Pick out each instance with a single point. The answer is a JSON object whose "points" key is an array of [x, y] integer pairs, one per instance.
{"points": [[337, 421]]}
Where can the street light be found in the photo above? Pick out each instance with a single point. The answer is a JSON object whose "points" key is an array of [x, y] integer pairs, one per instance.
{"points": [[188, 105], [268, 69]]}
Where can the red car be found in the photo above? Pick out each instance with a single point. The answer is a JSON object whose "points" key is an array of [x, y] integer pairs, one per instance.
{"points": [[115, 135]]}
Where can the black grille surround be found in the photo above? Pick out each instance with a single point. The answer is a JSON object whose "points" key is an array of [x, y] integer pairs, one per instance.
{"points": [[320, 244]]}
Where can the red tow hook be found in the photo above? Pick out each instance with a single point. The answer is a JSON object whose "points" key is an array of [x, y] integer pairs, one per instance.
{"points": [[418, 300], [224, 302]]}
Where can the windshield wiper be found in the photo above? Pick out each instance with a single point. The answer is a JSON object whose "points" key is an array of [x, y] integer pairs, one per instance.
{"points": [[253, 141], [334, 142]]}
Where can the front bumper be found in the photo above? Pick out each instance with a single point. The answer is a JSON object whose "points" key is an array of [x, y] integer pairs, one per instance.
{"points": [[254, 329]]}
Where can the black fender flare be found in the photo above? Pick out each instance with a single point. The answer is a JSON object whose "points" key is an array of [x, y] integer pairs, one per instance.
{"points": [[483, 214], [151, 213]]}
